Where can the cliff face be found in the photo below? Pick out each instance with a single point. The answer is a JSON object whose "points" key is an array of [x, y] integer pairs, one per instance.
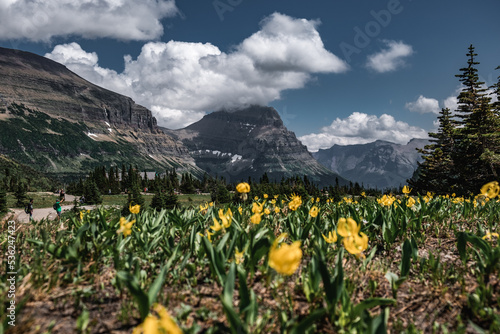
{"points": [[379, 164], [249, 142], [50, 87], [65, 124]]}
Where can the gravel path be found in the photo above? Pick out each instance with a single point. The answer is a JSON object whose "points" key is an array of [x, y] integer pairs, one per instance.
{"points": [[48, 213]]}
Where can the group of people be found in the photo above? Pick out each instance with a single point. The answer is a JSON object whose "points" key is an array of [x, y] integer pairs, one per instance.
{"points": [[57, 205]]}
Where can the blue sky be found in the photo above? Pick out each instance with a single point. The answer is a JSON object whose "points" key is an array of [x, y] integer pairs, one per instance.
{"points": [[338, 72]]}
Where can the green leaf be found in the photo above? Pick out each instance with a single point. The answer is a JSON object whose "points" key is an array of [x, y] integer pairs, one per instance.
{"points": [[308, 322], [379, 324], [132, 283], [461, 246], [370, 303], [406, 258], [227, 293], [157, 284]]}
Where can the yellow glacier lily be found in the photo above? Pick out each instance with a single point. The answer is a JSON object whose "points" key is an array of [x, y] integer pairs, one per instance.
{"points": [[286, 259], [134, 209], [332, 237]]}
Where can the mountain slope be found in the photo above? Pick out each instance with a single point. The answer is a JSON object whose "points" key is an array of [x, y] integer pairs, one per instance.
{"points": [[380, 164], [248, 142], [63, 125]]}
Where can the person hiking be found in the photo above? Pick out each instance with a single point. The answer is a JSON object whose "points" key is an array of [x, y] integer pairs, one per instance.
{"points": [[29, 209], [57, 207], [62, 195]]}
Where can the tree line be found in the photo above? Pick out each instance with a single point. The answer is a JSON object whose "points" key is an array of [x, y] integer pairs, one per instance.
{"points": [[464, 153]]}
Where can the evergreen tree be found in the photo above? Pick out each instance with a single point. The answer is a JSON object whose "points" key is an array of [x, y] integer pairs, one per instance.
{"points": [[476, 138], [20, 194], [91, 192], [437, 172], [125, 179], [186, 185], [158, 202], [220, 194], [171, 200], [114, 183]]}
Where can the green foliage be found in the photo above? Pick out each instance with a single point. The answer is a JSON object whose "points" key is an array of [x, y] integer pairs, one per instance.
{"points": [[3, 201], [465, 152], [21, 195], [91, 192], [221, 194]]}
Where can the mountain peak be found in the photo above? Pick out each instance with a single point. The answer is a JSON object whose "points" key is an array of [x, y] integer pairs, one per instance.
{"points": [[256, 115], [247, 142]]}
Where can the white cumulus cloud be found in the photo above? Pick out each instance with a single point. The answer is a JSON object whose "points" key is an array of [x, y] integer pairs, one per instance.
{"points": [[180, 81], [121, 19], [424, 105], [451, 102], [391, 58], [361, 128]]}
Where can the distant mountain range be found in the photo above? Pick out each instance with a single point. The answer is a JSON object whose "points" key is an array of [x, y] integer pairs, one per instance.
{"points": [[247, 142], [380, 164]]}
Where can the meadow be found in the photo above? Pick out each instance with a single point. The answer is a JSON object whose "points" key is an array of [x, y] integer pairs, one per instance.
{"points": [[279, 263]]}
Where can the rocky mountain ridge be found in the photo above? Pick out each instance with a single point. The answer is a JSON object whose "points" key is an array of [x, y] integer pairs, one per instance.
{"points": [[59, 123], [379, 164]]}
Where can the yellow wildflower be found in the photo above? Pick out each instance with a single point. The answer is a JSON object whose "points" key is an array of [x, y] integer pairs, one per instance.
{"points": [[155, 325], [295, 202], [211, 204], [243, 187], [363, 194], [286, 259], [347, 227], [267, 211], [276, 196], [81, 215], [209, 235], [134, 209], [406, 190], [277, 210], [125, 227], [386, 200], [314, 211], [489, 235], [266, 195], [216, 226], [332, 237], [257, 207], [317, 199], [240, 210], [239, 257], [256, 198], [204, 208], [348, 200], [490, 189], [356, 243], [410, 202], [226, 218], [256, 218], [273, 201]]}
